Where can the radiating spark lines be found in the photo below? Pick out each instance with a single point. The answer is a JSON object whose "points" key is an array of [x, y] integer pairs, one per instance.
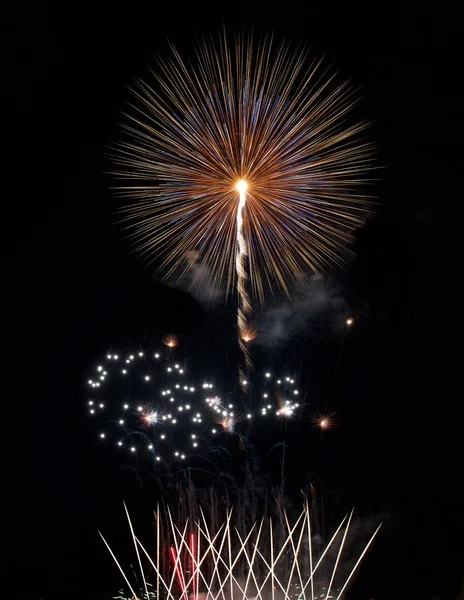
{"points": [[249, 116], [252, 119], [261, 562]]}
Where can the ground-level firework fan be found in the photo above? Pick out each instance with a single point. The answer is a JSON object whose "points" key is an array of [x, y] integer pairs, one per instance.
{"points": [[268, 561]]}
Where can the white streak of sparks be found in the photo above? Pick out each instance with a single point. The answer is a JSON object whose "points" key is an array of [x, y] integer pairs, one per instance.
{"points": [[244, 306]]}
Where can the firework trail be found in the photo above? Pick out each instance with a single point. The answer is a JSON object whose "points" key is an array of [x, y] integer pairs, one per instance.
{"points": [[266, 560], [244, 305], [245, 156]]}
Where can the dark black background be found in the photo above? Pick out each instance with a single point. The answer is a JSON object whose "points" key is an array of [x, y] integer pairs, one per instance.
{"points": [[71, 285]]}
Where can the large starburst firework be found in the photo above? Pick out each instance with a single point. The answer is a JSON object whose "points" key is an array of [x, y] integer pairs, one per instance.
{"points": [[245, 152]]}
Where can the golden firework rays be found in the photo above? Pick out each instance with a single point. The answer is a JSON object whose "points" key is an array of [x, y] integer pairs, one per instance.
{"points": [[243, 116]]}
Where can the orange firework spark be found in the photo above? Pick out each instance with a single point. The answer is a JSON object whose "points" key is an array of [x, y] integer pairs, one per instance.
{"points": [[170, 341], [325, 421], [249, 333], [246, 156]]}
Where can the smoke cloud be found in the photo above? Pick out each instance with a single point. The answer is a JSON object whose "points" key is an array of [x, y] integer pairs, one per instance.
{"points": [[309, 302], [198, 280]]}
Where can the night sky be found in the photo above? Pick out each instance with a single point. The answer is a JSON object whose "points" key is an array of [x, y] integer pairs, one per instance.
{"points": [[72, 287]]}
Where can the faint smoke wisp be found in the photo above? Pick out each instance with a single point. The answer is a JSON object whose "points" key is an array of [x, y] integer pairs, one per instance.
{"points": [[198, 280], [310, 302]]}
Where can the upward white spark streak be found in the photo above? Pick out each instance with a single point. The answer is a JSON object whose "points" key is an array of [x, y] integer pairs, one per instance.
{"points": [[244, 306], [227, 554]]}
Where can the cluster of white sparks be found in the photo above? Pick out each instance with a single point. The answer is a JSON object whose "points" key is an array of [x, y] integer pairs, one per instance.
{"points": [[266, 562], [161, 398]]}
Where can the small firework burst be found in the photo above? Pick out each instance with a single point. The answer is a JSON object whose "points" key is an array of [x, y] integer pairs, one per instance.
{"points": [[248, 333], [325, 421], [170, 340]]}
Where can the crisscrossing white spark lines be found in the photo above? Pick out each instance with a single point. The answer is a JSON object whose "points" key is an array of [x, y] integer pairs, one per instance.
{"points": [[266, 562]]}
